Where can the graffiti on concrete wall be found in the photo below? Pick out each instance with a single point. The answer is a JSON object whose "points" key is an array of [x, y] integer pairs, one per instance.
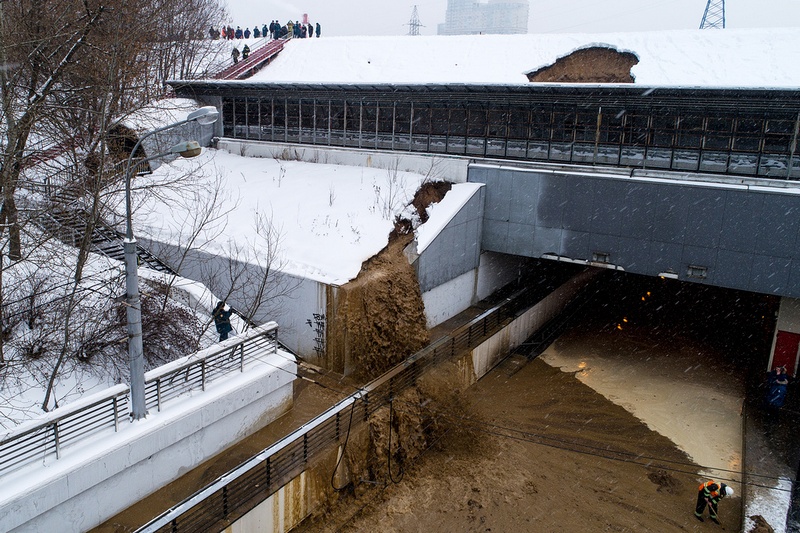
{"points": [[317, 323]]}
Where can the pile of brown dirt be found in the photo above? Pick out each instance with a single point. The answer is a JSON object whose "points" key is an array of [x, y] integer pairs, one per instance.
{"points": [[761, 525], [379, 317], [417, 420], [430, 192], [589, 65]]}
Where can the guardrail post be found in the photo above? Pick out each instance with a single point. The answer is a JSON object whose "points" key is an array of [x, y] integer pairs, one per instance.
{"points": [[57, 442], [225, 501], [338, 432], [158, 394], [366, 406], [269, 474], [203, 375], [305, 447], [241, 357], [116, 414]]}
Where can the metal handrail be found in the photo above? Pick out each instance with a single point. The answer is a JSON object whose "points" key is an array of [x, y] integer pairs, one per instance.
{"points": [[264, 51], [261, 476], [46, 438]]}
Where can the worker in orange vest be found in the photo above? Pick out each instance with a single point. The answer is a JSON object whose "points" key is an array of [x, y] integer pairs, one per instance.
{"points": [[708, 495]]}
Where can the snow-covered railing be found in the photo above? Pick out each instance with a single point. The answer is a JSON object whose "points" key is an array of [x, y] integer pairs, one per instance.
{"points": [[47, 437], [194, 372]]}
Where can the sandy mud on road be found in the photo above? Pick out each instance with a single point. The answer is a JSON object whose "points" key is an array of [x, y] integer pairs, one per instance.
{"points": [[572, 445]]}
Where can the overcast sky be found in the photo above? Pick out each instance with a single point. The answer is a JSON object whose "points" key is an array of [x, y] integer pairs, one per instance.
{"points": [[391, 17]]}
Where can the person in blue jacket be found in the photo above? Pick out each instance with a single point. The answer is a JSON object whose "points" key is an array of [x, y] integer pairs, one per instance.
{"points": [[222, 320], [777, 382]]}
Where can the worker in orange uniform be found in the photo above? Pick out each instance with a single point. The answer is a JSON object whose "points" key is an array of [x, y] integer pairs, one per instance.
{"points": [[709, 495]]}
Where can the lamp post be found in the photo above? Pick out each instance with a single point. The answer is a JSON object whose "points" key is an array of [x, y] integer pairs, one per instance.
{"points": [[204, 116]]}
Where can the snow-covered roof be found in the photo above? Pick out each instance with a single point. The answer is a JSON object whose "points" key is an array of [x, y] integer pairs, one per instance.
{"points": [[711, 58]]}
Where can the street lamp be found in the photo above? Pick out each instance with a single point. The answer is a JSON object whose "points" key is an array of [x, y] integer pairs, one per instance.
{"points": [[204, 116]]}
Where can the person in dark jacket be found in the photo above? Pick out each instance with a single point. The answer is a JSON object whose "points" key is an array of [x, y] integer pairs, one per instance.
{"points": [[708, 495], [777, 383], [235, 55], [238, 32], [222, 320], [256, 32], [310, 30], [247, 33], [319, 30], [245, 52]]}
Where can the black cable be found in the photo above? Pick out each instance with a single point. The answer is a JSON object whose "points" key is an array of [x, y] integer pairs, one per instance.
{"points": [[525, 438], [400, 444], [385, 486], [344, 449]]}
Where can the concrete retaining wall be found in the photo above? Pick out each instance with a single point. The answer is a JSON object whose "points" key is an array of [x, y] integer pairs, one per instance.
{"points": [[439, 167], [88, 486], [298, 304], [485, 356]]}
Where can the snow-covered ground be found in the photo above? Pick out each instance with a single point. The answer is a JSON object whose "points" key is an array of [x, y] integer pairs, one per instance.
{"points": [[683, 58], [330, 218], [25, 378]]}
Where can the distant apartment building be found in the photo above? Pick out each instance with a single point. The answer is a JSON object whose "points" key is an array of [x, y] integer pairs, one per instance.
{"points": [[469, 17]]}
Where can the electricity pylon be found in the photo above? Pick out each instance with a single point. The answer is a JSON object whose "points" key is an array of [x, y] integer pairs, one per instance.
{"points": [[714, 16], [414, 24]]}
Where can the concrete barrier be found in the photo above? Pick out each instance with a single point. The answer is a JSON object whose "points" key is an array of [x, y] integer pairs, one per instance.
{"points": [[114, 471]]}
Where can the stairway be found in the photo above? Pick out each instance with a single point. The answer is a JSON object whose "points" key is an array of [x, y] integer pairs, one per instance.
{"points": [[258, 57], [69, 226]]}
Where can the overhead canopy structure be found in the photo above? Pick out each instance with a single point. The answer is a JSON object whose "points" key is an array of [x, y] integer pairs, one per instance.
{"points": [[750, 132]]}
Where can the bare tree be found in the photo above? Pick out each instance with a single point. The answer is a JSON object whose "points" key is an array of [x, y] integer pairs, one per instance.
{"points": [[69, 70], [252, 274]]}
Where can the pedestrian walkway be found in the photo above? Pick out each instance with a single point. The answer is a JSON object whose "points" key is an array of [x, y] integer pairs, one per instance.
{"points": [[771, 460], [259, 56]]}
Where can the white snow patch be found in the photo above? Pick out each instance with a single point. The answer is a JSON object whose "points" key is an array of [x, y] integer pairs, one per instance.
{"points": [[440, 214], [683, 58]]}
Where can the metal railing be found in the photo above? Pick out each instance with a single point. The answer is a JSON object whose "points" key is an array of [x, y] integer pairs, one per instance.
{"points": [[46, 439], [235, 493], [264, 50], [750, 133]]}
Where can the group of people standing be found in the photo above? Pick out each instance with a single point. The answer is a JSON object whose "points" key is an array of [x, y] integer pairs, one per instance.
{"points": [[275, 30]]}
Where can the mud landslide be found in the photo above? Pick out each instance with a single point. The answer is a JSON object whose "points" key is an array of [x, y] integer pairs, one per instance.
{"points": [[530, 448]]}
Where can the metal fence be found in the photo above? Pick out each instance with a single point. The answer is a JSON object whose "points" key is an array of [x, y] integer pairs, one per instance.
{"points": [[45, 440], [670, 129], [234, 494]]}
